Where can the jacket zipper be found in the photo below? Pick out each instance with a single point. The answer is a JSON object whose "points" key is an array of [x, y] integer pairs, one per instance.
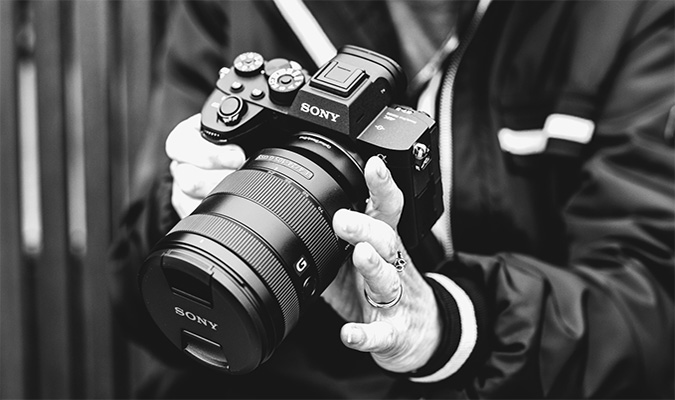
{"points": [[445, 142]]}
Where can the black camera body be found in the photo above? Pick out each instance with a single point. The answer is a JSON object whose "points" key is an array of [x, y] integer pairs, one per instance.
{"points": [[229, 282], [347, 100]]}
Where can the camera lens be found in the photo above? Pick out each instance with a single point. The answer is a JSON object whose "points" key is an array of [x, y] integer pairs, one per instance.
{"points": [[231, 280]]}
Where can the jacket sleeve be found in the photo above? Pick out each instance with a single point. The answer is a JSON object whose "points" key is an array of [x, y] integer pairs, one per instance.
{"points": [[602, 325]]}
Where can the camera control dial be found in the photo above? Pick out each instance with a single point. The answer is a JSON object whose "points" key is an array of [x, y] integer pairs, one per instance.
{"points": [[248, 64], [284, 84], [231, 109]]}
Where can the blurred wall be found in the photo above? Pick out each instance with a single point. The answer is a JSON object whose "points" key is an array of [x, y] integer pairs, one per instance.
{"points": [[75, 82]]}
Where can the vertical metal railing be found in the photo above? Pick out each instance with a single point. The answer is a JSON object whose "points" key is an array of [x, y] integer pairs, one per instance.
{"points": [[75, 83], [12, 328]]}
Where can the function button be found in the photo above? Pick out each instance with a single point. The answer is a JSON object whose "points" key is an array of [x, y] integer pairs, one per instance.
{"points": [[257, 94], [248, 64], [223, 71], [236, 87]]}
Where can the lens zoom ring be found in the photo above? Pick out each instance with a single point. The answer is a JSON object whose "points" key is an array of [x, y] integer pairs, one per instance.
{"points": [[251, 250], [293, 207]]}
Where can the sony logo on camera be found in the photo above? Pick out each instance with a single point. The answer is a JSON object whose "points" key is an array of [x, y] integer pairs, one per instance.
{"points": [[319, 112], [196, 318]]}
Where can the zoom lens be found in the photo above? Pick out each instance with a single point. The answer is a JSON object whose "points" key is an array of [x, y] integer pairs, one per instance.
{"points": [[231, 280]]}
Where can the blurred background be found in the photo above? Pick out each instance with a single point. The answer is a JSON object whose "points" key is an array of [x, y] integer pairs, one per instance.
{"points": [[75, 84]]}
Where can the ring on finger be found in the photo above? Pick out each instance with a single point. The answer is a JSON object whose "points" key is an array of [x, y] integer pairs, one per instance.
{"points": [[388, 304], [400, 262]]}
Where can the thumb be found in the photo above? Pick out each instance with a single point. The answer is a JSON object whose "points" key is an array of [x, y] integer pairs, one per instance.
{"points": [[186, 145], [375, 337], [386, 199]]}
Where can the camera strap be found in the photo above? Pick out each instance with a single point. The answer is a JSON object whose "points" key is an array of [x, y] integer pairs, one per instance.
{"points": [[308, 30]]}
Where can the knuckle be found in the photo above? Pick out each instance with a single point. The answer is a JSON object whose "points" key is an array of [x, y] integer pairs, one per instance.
{"points": [[170, 146], [190, 189], [173, 168], [398, 199], [388, 342], [391, 245], [360, 254]]}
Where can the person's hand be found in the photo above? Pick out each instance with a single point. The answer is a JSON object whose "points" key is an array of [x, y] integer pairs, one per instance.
{"points": [[401, 337], [197, 165]]}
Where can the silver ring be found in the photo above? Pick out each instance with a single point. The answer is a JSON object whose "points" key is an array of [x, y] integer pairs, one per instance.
{"points": [[388, 304], [399, 262]]}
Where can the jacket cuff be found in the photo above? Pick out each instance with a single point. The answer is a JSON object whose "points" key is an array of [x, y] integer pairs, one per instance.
{"points": [[459, 334]]}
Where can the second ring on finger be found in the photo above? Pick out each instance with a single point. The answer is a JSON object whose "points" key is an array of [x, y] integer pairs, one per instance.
{"points": [[383, 284], [400, 262]]}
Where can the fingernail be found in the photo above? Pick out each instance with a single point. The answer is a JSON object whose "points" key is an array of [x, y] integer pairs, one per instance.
{"points": [[350, 228], [382, 170], [372, 257], [355, 336]]}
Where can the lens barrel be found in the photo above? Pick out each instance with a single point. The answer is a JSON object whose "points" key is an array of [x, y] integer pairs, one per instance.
{"points": [[231, 280]]}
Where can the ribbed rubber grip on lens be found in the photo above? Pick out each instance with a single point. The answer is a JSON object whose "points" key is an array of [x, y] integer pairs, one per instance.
{"points": [[291, 205], [255, 253]]}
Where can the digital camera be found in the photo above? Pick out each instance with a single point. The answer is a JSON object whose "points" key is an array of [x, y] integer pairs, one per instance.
{"points": [[231, 280]]}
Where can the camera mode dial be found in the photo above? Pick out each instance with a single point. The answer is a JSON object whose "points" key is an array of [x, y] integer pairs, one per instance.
{"points": [[248, 64], [284, 83]]}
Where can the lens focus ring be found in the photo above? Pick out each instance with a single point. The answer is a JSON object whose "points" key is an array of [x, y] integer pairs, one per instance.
{"points": [[291, 205]]}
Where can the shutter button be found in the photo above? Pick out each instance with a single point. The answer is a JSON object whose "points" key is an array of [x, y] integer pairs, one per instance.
{"points": [[231, 109]]}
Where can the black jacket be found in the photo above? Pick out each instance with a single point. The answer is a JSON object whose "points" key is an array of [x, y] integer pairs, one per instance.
{"points": [[567, 251]]}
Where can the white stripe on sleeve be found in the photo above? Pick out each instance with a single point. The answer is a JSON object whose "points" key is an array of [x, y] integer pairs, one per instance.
{"points": [[469, 327]]}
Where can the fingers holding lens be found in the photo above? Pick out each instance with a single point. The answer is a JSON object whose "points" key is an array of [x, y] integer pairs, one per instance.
{"points": [[355, 227], [386, 199], [375, 337], [376, 249], [183, 203], [383, 287], [194, 181]]}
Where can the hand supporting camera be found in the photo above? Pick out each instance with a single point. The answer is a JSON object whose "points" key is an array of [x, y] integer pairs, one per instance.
{"points": [[197, 165], [401, 337], [258, 241], [393, 310]]}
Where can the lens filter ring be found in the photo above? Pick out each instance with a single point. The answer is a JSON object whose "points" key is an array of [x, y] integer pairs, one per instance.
{"points": [[257, 255]]}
